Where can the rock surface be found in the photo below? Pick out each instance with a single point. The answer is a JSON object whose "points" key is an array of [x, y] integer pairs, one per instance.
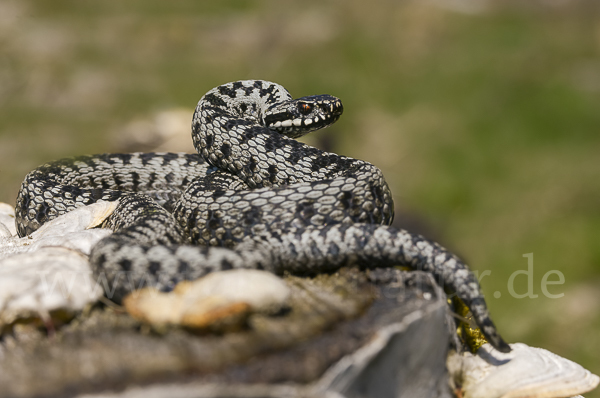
{"points": [[360, 334], [46, 276]]}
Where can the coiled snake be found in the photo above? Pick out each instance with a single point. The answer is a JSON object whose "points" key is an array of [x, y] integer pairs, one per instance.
{"points": [[253, 197]]}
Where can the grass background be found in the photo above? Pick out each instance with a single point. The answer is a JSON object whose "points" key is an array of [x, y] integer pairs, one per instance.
{"points": [[483, 115]]}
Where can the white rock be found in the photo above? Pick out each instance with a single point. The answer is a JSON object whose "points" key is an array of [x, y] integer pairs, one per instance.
{"points": [[7, 220], [82, 241], [35, 284], [4, 231], [221, 297], [49, 270], [525, 372], [70, 230], [80, 219], [262, 290]]}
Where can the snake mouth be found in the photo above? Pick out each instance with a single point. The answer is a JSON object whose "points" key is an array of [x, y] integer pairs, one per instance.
{"points": [[305, 114], [315, 123]]}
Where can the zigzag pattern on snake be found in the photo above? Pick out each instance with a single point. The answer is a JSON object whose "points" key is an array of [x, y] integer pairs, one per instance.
{"points": [[253, 197]]}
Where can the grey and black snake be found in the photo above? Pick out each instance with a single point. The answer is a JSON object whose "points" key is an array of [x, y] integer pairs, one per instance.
{"points": [[252, 197]]}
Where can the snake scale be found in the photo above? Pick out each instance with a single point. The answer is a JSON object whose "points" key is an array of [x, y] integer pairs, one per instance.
{"points": [[252, 197]]}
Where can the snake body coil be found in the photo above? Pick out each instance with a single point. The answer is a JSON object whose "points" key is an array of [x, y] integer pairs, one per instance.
{"points": [[253, 197]]}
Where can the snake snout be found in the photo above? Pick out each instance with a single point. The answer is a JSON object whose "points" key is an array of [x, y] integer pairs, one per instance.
{"points": [[333, 108]]}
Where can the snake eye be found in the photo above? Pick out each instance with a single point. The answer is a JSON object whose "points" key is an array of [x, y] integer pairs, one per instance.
{"points": [[305, 108]]}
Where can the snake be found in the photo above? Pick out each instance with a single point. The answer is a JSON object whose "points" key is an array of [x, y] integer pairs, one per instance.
{"points": [[251, 197]]}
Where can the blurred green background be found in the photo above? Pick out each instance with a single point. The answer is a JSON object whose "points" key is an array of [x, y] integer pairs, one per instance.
{"points": [[483, 115]]}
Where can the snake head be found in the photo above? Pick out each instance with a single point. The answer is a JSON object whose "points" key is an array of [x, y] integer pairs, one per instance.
{"points": [[300, 116]]}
